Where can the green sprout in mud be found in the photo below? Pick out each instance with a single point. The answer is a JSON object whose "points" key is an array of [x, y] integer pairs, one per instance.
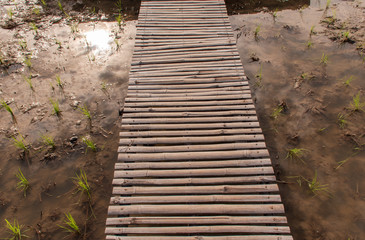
{"points": [[257, 31], [82, 184], [70, 225], [295, 153], [324, 59], [91, 57], [23, 183], [8, 108], [103, 87], [44, 2], [34, 27], [315, 187], [119, 20], [341, 163], [48, 141], [36, 11], [119, 6], [89, 144], [328, 4], [15, 230], [23, 45], [312, 31], [348, 81], [20, 143], [277, 111], [117, 44], [28, 61], [85, 112], [346, 36], [275, 14], [259, 77], [341, 119], [74, 27], [59, 44], [61, 8], [309, 44], [56, 108], [29, 81], [10, 14], [356, 105], [59, 82]]}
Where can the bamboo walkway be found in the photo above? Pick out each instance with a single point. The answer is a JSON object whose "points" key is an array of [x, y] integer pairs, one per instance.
{"points": [[192, 161]]}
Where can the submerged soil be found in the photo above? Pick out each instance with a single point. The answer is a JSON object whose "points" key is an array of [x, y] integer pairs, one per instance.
{"points": [[301, 104]]}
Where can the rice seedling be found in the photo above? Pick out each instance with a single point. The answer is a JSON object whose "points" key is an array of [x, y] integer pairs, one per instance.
{"points": [[21, 143], [117, 44], [91, 57], [8, 108], [59, 44], [257, 31], [15, 230], [10, 14], [341, 163], [328, 3], [23, 182], [346, 35], [44, 2], [348, 81], [59, 82], [315, 187], [74, 27], [36, 11], [70, 225], [295, 153], [82, 184], [356, 105], [60, 6], [309, 44], [277, 111], [341, 119], [275, 14], [34, 27], [23, 45], [259, 73], [56, 108], [312, 31], [28, 61], [85, 111], [119, 5], [103, 87], [29, 81], [324, 59], [89, 144], [119, 20], [48, 141]]}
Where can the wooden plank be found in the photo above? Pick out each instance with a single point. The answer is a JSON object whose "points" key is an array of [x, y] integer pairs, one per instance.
{"points": [[270, 198], [194, 98], [189, 86], [194, 164], [192, 103], [200, 237], [195, 139], [186, 133], [191, 148], [209, 172], [180, 209], [193, 181], [198, 219], [179, 156], [191, 108], [207, 93], [191, 126], [198, 229], [184, 80], [189, 91]]}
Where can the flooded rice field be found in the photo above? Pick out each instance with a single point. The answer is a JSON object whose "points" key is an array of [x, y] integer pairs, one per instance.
{"points": [[63, 79]]}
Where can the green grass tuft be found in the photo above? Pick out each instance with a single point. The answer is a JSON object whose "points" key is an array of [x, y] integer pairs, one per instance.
{"points": [[56, 108], [29, 81], [15, 230], [315, 187], [21, 143], [82, 184], [341, 119], [324, 59], [356, 105], [70, 224], [348, 81], [8, 108], [48, 141], [23, 182], [89, 144], [257, 31], [295, 153], [59, 82], [85, 111]]}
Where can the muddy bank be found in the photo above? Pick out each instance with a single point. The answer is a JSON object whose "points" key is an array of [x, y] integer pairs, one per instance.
{"points": [[305, 85], [78, 66]]}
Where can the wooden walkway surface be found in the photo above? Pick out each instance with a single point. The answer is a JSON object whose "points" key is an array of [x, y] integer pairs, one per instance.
{"points": [[192, 161]]}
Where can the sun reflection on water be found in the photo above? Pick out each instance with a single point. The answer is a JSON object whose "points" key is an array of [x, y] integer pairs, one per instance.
{"points": [[98, 41]]}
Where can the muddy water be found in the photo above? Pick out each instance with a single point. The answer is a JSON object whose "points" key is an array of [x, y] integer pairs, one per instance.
{"points": [[94, 71], [314, 94]]}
